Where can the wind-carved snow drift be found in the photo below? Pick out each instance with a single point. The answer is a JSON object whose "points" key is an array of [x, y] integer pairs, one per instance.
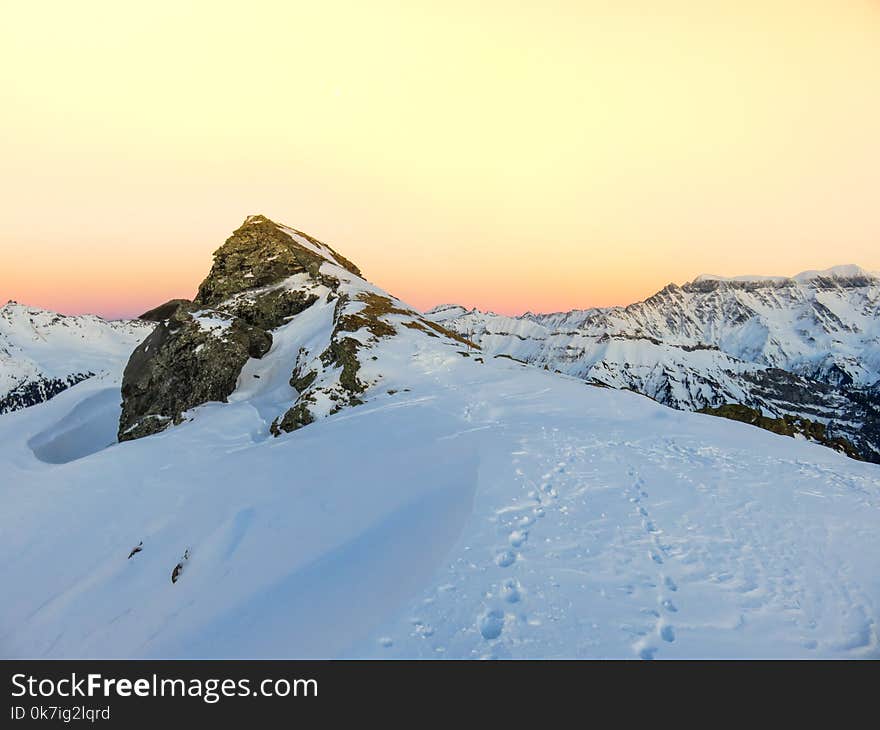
{"points": [[800, 354]]}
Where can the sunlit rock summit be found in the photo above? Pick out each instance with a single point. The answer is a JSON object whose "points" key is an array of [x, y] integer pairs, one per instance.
{"points": [[272, 291]]}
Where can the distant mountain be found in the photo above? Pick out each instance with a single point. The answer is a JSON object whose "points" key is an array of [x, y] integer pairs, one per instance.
{"points": [[43, 353], [801, 354]]}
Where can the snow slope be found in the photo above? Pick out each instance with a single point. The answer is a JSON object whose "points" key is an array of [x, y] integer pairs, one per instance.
{"points": [[465, 509], [43, 353]]}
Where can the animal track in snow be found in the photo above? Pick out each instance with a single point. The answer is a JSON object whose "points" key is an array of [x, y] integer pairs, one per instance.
{"points": [[644, 647], [511, 590]]}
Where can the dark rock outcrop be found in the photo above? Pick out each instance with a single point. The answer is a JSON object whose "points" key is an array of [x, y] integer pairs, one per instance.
{"points": [[261, 253], [197, 351], [192, 358], [785, 426], [164, 311], [270, 309]]}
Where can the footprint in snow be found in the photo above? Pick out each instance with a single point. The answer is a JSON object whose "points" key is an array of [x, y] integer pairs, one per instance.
{"points": [[491, 624], [511, 591]]}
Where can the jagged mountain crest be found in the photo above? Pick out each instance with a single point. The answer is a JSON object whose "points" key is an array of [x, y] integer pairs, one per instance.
{"points": [[281, 318], [806, 346], [261, 253]]}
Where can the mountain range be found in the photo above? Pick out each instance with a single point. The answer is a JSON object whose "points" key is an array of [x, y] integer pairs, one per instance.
{"points": [[296, 463], [43, 353], [799, 355]]}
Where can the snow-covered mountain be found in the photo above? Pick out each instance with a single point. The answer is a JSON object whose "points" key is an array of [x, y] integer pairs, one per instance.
{"points": [[307, 467], [282, 321], [806, 347], [42, 353]]}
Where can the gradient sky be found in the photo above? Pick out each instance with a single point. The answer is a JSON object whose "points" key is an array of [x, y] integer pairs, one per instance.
{"points": [[539, 155]]}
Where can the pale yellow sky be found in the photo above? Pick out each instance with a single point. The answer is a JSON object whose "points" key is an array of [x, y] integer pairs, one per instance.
{"points": [[514, 156]]}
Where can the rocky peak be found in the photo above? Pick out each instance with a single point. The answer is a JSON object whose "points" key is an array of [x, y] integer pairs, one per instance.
{"points": [[252, 304], [261, 253]]}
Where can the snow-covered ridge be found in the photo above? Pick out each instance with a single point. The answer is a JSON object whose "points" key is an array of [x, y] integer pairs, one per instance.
{"points": [[43, 352], [811, 330], [841, 272]]}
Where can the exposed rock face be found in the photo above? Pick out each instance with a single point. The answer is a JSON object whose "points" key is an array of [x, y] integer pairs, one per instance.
{"points": [[192, 358], [197, 352], [261, 253], [270, 309], [266, 276]]}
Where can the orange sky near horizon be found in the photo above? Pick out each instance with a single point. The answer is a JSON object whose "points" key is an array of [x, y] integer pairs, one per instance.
{"points": [[513, 156]]}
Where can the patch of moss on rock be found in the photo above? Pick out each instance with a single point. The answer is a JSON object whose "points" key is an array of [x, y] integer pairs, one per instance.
{"points": [[432, 329], [343, 352], [295, 417], [301, 383], [370, 316]]}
